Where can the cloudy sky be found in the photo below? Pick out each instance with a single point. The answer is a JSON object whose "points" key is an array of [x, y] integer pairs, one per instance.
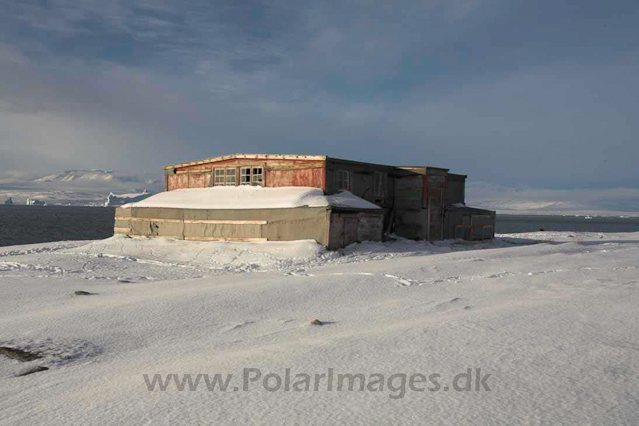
{"points": [[541, 94]]}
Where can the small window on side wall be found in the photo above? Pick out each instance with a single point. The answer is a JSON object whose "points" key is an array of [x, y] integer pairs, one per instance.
{"points": [[219, 177], [230, 176], [343, 180], [252, 176], [257, 176], [379, 184], [245, 176]]}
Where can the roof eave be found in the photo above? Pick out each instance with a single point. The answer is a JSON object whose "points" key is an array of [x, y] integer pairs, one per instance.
{"points": [[255, 156]]}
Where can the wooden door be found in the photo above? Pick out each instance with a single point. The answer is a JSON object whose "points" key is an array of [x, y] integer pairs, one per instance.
{"points": [[343, 230], [436, 213], [350, 230]]}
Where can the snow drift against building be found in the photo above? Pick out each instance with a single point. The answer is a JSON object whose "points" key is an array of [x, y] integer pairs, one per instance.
{"points": [[114, 200], [252, 197]]}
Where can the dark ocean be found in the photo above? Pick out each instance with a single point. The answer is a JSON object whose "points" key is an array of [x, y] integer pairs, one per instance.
{"points": [[507, 224], [40, 224]]}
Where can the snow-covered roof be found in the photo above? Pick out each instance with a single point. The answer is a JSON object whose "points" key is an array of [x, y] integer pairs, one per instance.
{"points": [[114, 200], [251, 197], [348, 200]]}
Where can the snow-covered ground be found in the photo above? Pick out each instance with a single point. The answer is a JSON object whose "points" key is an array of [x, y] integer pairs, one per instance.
{"points": [[551, 317]]}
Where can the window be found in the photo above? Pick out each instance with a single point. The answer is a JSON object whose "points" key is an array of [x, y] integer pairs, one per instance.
{"points": [[343, 180], [245, 176], [219, 177], [230, 176], [252, 176], [379, 184], [257, 176]]}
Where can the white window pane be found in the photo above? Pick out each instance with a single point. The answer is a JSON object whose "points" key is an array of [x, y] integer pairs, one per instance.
{"points": [[230, 176], [343, 181], [219, 177], [245, 176], [256, 177]]}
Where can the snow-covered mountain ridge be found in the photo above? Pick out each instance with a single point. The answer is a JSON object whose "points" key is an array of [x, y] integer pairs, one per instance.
{"points": [[94, 176], [80, 187]]}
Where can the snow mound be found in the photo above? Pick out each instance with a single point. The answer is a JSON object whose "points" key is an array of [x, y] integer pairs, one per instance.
{"points": [[251, 197], [231, 257]]}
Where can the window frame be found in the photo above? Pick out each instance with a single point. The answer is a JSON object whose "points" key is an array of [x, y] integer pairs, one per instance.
{"points": [[248, 175], [228, 175], [254, 182], [340, 180], [379, 184], [216, 176], [242, 175]]}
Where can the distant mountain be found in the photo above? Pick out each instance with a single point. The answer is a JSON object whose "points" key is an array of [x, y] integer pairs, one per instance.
{"points": [[95, 176], [80, 187], [506, 200]]}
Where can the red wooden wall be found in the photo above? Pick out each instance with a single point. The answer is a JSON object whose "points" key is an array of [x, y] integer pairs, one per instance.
{"points": [[277, 173]]}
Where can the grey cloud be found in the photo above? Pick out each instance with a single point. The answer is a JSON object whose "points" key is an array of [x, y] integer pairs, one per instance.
{"points": [[384, 83]]}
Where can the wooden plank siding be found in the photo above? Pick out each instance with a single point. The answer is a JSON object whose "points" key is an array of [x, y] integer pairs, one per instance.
{"points": [[305, 176], [277, 173], [416, 200], [362, 180], [351, 227]]}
